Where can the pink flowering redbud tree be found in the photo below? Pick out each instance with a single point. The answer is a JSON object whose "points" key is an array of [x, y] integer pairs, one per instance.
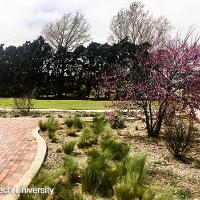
{"points": [[171, 85]]}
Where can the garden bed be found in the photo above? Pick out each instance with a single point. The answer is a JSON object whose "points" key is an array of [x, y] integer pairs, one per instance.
{"points": [[165, 173]]}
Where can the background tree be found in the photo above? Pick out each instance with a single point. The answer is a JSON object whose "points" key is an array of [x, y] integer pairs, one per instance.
{"points": [[29, 66], [139, 26], [126, 64], [70, 31]]}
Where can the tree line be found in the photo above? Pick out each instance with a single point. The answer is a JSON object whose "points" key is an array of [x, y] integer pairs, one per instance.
{"points": [[36, 66]]}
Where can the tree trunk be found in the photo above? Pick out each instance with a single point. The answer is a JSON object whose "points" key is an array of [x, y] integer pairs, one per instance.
{"points": [[153, 128]]}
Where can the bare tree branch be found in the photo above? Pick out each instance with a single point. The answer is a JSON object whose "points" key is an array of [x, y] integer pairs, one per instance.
{"points": [[69, 31], [139, 26]]}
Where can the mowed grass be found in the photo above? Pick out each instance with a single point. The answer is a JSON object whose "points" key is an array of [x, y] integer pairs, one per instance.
{"points": [[62, 104]]}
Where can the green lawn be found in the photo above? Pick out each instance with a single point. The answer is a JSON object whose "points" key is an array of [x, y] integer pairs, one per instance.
{"points": [[62, 104]]}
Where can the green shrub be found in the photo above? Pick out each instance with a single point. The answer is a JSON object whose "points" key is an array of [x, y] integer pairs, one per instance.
{"points": [[124, 191], [87, 138], [99, 124], [92, 175], [99, 175], [69, 122], [68, 148], [42, 125], [52, 124], [165, 196], [132, 185], [116, 150], [61, 181], [78, 123], [53, 136], [75, 122], [71, 169], [25, 196]]}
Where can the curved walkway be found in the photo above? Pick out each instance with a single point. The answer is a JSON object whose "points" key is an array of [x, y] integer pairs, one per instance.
{"points": [[18, 151]]}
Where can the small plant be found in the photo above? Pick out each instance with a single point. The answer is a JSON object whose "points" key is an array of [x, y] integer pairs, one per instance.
{"points": [[99, 175], [92, 175], [78, 123], [75, 122], [68, 148], [72, 170], [46, 178], [53, 136], [175, 179], [69, 122], [195, 164], [68, 194], [99, 124], [116, 150], [132, 185], [24, 103], [116, 120], [183, 193], [42, 125], [180, 135], [160, 162], [52, 124], [124, 191], [87, 138], [72, 132]]}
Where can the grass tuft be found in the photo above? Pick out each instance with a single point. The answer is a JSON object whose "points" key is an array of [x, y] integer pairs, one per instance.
{"points": [[68, 148], [115, 150], [87, 138]]}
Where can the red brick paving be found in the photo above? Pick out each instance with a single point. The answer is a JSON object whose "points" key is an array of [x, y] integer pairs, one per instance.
{"points": [[17, 149]]}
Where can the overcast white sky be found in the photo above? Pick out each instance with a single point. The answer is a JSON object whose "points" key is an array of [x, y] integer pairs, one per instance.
{"points": [[22, 20]]}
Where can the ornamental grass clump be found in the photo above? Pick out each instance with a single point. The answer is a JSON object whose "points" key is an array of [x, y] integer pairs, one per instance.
{"points": [[132, 185], [42, 126], [78, 123], [68, 147], [100, 175], [115, 150], [71, 170], [99, 125], [87, 138], [69, 122], [53, 135], [72, 132], [74, 122], [52, 124]]}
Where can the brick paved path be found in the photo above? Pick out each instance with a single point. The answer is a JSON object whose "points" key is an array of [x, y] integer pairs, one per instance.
{"points": [[17, 149]]}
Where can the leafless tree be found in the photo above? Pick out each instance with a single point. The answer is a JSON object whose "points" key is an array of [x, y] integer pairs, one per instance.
{"points": [[139, 26], [69, 31]]}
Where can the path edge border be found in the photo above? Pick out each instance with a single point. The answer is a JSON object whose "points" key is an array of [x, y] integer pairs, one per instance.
{"points": [[34, 167]]}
